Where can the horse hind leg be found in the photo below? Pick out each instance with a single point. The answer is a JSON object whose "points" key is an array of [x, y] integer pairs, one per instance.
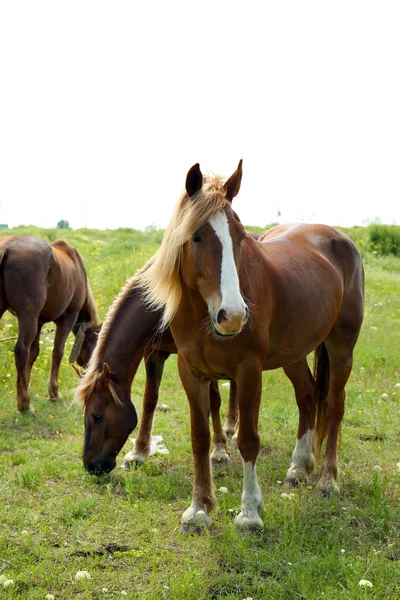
{"points": [[27, 332], [232, 415], [331, 415], [63, 328], [154, 365], [220, 454], [303, 457], [339, 345]]}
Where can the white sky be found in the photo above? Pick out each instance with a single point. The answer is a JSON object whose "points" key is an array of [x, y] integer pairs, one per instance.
{"points": [[104, 106]]}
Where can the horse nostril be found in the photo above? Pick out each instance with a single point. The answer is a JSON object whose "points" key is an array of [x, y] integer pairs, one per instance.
{"points": [[221, 316]]}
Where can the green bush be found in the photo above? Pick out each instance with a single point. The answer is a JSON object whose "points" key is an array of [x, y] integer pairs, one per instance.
{"points": [[385, 239]]}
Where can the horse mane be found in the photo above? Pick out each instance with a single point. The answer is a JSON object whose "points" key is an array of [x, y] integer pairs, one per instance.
{"points": [[91, 307], [160, 282], [92, 370]]}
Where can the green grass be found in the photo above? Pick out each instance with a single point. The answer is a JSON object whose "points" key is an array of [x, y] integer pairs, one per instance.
{"points": [[124, 528]]}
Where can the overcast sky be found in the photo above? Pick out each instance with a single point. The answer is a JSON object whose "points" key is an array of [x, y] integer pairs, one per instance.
{"points": [[104, 106]]}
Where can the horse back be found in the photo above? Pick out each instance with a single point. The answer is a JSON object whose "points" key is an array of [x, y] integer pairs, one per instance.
{"points": [[25, 262], [67, 282], [303, 279]]}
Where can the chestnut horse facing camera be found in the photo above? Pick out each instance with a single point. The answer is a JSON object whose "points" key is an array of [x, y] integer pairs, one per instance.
{"points": [[128, 334], [236, 307], [40, 283]]}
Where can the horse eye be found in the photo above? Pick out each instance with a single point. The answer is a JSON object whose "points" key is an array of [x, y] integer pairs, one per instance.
{"points": [[98, 418], [196, 239]]}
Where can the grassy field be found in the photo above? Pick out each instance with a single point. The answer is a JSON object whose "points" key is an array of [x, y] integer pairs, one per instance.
{"points": [[123, 529]]}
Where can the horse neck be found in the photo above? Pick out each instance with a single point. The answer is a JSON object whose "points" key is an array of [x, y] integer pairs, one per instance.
{"points": [[130, 330], [88, 312]]}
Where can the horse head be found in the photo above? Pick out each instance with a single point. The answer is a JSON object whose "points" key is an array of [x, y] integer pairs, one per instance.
{"points": [[108, 422], [212, 257], [85, 341]]}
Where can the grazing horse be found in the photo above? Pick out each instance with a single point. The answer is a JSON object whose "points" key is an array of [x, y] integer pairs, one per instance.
{"points": [[39, 283], [237, 306], [128, 334]]}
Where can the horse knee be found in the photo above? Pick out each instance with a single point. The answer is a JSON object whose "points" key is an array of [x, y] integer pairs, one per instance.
{"points": [[249, 446]]}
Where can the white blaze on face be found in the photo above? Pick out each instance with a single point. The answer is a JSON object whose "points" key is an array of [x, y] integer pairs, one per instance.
{"points": [[232, 301]]}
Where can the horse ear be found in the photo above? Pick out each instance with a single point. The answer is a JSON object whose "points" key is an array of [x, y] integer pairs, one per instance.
{"points": [[105, 374], [194, 180], [232, 186]]}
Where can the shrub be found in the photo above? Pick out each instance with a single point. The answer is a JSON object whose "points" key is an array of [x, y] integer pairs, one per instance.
{"points": [[385, 239]]}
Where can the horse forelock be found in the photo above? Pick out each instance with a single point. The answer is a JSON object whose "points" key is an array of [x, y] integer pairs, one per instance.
{"points": [[160, 283]]}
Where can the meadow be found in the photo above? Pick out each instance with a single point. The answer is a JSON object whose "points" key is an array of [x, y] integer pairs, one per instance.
{"points": [[123, 528]]}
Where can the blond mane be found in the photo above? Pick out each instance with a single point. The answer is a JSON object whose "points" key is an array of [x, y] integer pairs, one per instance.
{"points": [[160, 283]]}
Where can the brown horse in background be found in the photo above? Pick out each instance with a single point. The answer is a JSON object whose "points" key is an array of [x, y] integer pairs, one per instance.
{"points": [[237, 307], [40, 283]]}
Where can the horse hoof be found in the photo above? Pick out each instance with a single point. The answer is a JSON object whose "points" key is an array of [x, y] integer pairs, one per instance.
{"points": [[195, 519], [328, 489], [249, 520], [291, 483], [29, 410], [193, 528], [57, 398], [229, 432], [221, 461], [132, 459]]}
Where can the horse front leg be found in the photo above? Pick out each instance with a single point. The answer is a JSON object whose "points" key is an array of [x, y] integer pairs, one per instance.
{"points": [[154, 364], [63, 328], [249, 386], [195, 518], [220, 454]]}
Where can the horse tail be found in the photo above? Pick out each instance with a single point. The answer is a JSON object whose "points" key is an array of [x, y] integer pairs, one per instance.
{"points": [[3, 254], [321, 376]]}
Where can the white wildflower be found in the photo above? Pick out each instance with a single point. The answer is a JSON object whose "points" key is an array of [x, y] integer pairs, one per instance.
{"points": [[24, 532], [104, 590], [378, 468], [8, 582], [3, 578], [227, 384], [49, 597], [223, 490], [80, 575], [398, 466], [343, 551], [201, 512], [397, 385], [287, 496], [124, 593], [365, 583], [384, 396], [8, 374]]}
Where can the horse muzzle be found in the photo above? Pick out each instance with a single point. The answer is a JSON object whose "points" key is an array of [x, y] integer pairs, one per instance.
{"points": [[101, 465], [230, 323]]}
